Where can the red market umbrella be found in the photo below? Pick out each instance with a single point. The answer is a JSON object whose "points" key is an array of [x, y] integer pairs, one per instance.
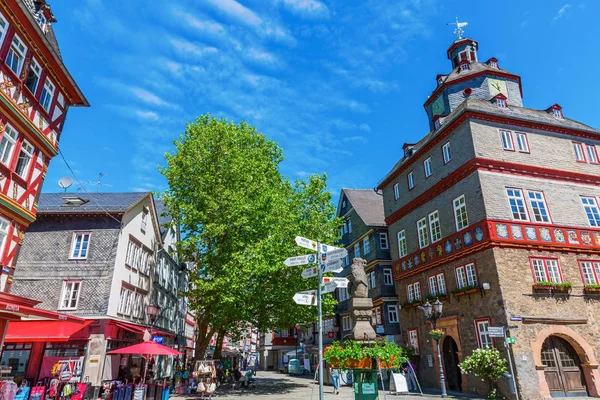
{"points": [[146, 350]]}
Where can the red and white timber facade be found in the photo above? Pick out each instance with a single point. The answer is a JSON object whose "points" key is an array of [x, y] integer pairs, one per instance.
{"points": [[36, 90]]}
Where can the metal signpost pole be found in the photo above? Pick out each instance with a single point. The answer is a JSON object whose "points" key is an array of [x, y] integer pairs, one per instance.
{"points": [[319, 301], [512, 372]]}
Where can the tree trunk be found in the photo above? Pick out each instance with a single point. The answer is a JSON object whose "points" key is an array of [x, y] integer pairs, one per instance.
{"points": [[219, 344], [203, 339]]}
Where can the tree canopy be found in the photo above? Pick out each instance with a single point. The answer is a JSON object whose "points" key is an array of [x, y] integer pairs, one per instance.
{"points": [[239, 216]]}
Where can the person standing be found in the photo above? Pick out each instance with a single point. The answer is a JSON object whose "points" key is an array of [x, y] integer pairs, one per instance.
{"points": [[335, 377]]}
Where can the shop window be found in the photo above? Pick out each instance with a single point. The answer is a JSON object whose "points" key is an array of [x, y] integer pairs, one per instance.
{"points": [[80, 245]]}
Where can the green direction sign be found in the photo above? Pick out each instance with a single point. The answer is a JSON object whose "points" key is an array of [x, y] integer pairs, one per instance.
{"points": [[511, 340]]}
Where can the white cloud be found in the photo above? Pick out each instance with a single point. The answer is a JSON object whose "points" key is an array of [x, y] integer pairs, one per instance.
{"points": [[237, 11], [365, 127], [357, 139], [147, 115], [358, 107], [184, 46], [147, 96], [262, 56], [562, 12], [308, 8], [205, 25]]}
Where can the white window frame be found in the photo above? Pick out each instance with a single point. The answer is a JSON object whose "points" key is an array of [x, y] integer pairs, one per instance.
{"points": [[366, 245], [546, 270], [346, 323], [388, 277], [47, 95], [427, 167], [357, 250], [20, 50], [144, 222], [522, 142], [3, 28], [417, 290], [501, 103], [592, 154], [466, 275], [483, 336], [4, 225], [435, 229], [579, 152], [413, 340], [507, 140], [371, 280], [69, 291], [396, 191], [383, 241], [592, 212], [402, 250], [590, 272], [437, 284], [411, 180], [79, 256], [392, 310], [517, 205], [461, 218], [28, 151], [423, 233], [447, 152], [10, 135], [537, 201], [349, 226], [35, 67], [557, 113]]}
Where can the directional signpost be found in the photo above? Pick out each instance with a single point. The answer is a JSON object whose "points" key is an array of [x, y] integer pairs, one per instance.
{"points": [[329, 260], [496, 331], [300, 260]]}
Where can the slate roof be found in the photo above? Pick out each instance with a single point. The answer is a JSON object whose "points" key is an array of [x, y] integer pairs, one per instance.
{"points": [[163, 217], [511, 111], [474, 68], [367, 204], [55, 203]]}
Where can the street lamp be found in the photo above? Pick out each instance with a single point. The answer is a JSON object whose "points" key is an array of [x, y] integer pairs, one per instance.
{"points": [[433, 312], [152, 310]]}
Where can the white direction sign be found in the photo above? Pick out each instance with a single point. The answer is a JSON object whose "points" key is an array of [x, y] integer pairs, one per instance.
{"points": [[335, 266], [339, 282], [337, 253], [300, 260], [310, 272], [312, 244], [307, 298], [496, 331], [328, 287]]}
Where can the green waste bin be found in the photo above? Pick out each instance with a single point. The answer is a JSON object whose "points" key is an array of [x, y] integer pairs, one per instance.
{"points": [[365, 384]]}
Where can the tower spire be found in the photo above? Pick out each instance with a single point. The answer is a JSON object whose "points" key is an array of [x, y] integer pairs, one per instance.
{"points": [[458, 31]]}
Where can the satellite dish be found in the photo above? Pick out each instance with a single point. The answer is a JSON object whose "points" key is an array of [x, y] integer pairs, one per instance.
{"points": [[65, 182]]}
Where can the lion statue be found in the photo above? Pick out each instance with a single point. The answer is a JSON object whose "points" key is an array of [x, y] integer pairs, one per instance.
{"points": [[358, 280]]}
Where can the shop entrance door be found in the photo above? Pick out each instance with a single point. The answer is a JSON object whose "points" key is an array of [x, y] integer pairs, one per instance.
{"points": [[562, 368], [450, 355]]}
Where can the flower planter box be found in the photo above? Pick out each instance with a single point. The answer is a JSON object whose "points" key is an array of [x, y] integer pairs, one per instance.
{"points": [[549, 289], [365, 363], [466, 292], [587, 290], [412, 305]]}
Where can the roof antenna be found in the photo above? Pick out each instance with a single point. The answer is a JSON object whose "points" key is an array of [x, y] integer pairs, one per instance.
{"points": [[99, 183]]}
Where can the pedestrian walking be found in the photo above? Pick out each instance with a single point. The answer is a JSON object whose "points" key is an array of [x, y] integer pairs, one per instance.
{"points": [[335, 377]]}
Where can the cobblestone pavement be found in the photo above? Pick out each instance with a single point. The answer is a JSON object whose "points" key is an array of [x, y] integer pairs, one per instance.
{"points": [[275, 386]]}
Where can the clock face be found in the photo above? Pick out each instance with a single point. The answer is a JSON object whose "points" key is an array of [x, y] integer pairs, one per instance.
{"points": [[438, 108], [497, 86]]}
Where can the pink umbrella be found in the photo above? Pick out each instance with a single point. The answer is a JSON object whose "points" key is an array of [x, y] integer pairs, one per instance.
{"points": [[146, 350]]}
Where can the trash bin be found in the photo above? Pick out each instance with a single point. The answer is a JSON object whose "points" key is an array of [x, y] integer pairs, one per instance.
{"points": [[510, 382], [365, 384]]}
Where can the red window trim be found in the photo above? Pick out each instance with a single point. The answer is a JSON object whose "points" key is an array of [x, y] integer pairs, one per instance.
{"points": [[595, 152], [436, 283], [466, 277], [483, 319], [531, 258], [524, 203], [582, 152], [526, 142], [593, 270], [443, 157], [416, 330], [512, 141], [408, 180]]}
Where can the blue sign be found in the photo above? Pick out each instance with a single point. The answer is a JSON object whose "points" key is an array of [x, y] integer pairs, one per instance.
{"points": [[158, 339]]}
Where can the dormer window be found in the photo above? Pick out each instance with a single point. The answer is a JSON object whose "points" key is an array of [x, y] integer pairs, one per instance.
{"points": [[464, 66], [440, 79], [556, 110], [501, 103], [500, 100], [437, 121], [492, 62]]}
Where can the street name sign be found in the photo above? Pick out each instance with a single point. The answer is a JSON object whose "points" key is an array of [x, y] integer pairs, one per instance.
{"points": [[328, 287], [339, 282], [312, 244], [337, 253], [332, 265], [496, 331], [306, 298], [310, 272], [300, 260]]}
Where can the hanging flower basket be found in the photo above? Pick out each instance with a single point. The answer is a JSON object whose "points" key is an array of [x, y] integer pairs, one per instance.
{"points": [[436, 334], [359, 356]]}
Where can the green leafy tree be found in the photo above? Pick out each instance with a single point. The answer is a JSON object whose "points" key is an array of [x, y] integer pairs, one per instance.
{"points": [[487, 364], [239, 217]]}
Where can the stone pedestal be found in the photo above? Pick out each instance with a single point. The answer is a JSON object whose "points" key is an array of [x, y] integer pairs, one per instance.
{"points": [[361, 311]]}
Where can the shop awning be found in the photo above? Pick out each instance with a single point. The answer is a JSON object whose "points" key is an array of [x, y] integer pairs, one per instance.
{"points": [[19, 309], [130, 327], [42, 331], [156, 332]]}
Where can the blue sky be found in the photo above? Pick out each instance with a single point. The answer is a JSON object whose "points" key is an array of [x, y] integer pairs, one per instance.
{"points": [[339, 84]]}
